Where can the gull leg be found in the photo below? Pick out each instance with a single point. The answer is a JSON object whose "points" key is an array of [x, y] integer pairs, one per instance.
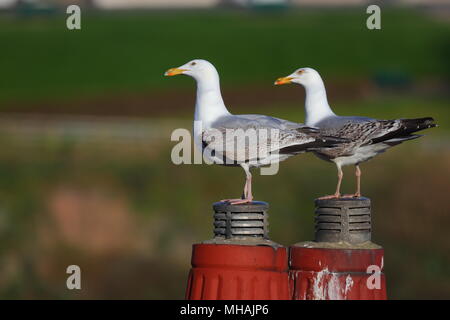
{"points": [[244, 194], [337, 194], [247, 189], [358, 181], [357, 194]]}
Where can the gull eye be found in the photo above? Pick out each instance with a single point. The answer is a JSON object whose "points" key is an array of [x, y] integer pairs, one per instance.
{"points": [[300, 71], [193, 63]]}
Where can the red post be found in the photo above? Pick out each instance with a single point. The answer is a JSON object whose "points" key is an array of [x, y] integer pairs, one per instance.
{"points": [[234, 272], [342, 263], [337, 274], [240, 262]]}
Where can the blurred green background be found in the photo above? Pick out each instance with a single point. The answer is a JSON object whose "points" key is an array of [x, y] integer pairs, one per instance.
{"points": [[85, 123]]}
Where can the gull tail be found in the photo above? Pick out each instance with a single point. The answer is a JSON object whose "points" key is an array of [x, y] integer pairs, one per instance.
{"points": [[319, 143], [414, 125], [396, 141], [405, 131]]}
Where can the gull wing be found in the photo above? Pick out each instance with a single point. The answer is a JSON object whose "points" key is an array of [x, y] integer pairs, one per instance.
{"points": [[244, 138]]}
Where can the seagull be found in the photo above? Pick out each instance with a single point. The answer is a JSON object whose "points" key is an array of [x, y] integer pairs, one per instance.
{"points": [[215, 137], [367, 137]]}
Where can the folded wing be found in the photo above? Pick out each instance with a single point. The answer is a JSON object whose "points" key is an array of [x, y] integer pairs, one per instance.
{"points": [[366, 131], [246, 138]]}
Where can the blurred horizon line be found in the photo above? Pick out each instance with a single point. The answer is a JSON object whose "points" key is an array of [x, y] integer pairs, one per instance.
{"points": [[252, 5]]}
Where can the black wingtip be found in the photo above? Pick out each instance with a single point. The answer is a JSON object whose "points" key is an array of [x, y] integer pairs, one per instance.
{"points": [[413, 125]]}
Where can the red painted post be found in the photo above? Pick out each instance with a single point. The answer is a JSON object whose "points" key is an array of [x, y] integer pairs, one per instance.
{"points": [[240, 262], [342, 263]]}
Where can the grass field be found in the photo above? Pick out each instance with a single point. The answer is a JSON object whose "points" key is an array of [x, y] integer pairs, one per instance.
{"points": [[115, 53]]}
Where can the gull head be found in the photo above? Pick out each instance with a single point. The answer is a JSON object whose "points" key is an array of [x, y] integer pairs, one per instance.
{"points": [[303, 76], [197, 68]]}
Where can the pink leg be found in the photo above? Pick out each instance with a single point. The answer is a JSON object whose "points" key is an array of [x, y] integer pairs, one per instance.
{"points": [[230, 200], [357, 194], [358, 182], [248, 196], [337, 194]]}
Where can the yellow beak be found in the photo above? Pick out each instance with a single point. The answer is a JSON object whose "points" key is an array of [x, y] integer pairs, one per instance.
{"points": [[284, 80], [174, 71]]}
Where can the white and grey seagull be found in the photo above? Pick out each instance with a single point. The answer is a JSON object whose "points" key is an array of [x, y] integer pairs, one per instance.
{"points": [[215, 137], [367, 137]]}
